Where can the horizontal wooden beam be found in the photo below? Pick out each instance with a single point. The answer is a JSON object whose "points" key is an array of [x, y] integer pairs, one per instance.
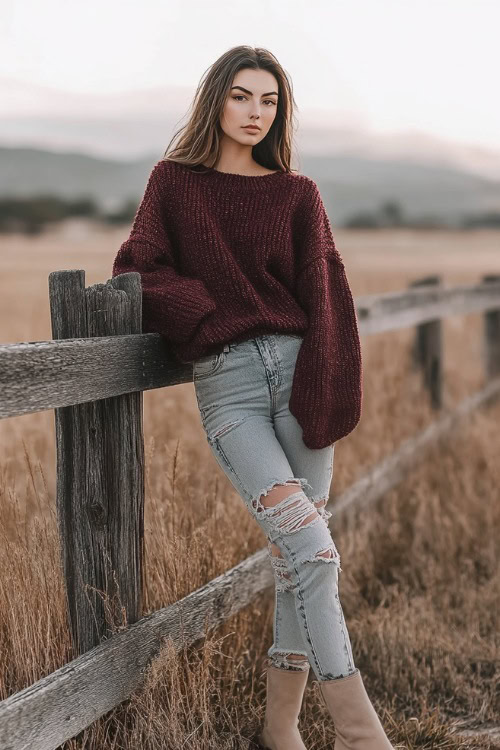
{"points": [[58, 706], [43, 375], [394, 310], [40, 375]]}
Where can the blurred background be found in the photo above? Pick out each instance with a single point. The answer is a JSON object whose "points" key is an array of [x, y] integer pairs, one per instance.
{"points": [[399, 124], [398, 119]]}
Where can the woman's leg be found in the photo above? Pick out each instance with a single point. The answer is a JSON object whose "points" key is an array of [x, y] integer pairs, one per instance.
{"points": [[312, 564], [231, 392], [243, 397], [284, 598], [317, 465], [238, 400]]}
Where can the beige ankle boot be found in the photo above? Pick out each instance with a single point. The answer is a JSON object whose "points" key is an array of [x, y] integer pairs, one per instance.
{"points": [[285, 689], [357, 726]]}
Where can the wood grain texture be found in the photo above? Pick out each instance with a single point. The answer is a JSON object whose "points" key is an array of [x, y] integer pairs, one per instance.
{"points": [[100, 470]]}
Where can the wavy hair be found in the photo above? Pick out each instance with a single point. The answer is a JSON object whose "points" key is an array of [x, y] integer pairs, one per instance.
{"points": [[199, 140]]}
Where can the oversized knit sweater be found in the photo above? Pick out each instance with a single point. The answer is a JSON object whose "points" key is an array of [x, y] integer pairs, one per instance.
{"points": [[224, 257]]}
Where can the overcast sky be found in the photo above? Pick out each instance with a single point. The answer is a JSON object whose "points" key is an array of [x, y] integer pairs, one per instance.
{"points": [[390, 65]]}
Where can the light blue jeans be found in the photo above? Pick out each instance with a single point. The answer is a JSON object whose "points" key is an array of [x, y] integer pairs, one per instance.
{"points": [[242, 393]]}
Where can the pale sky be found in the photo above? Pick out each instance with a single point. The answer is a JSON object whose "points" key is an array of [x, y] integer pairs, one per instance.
{"points": [[391, 65]]}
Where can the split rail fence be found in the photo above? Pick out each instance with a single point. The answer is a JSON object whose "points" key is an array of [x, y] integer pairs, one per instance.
{"points": [[92, 374]]}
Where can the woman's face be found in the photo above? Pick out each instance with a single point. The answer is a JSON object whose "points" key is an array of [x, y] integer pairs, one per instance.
{"points": [[252, 99]]}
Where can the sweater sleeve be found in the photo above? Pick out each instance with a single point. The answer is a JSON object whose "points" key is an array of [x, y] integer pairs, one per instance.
{"points": [[326, 396], [172, 305]]}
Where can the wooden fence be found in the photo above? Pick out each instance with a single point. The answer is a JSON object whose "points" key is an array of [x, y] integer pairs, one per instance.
{"points": [[93, 374]]}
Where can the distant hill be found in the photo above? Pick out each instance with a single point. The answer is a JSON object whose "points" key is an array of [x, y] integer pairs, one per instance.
{"points": [[349, 184]]}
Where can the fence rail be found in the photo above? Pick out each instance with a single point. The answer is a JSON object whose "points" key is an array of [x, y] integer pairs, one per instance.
{"points": [[93, 377], [41, 375]]}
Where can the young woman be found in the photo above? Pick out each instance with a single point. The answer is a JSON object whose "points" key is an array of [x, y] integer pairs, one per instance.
{"points": [[241, 275]]}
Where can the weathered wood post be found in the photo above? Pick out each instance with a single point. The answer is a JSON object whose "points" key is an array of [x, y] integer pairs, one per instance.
{"points": [[427, 349], [491, 335], [100, 468]]}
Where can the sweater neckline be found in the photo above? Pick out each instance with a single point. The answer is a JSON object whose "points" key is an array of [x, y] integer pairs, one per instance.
{"points": [[237, 178]]}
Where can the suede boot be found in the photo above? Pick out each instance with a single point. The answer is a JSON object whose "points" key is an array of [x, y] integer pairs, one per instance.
{"points": [[357, 726], [285, 689]]}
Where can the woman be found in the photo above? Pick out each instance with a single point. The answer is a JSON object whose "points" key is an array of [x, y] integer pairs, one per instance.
{"points": [[241, 275]]}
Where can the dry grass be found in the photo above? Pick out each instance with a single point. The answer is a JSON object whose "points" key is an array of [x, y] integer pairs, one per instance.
{"points": [[420, 580]]}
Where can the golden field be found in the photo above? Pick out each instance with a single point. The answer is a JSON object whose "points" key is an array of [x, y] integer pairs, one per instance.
{"points": [[420, 581]]}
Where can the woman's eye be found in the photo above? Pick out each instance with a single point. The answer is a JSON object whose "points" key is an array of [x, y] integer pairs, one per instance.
{"points": [[242, 96]]}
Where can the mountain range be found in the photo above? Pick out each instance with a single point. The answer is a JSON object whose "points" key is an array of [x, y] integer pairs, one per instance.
{"points": [[104, 147], [349, 184]]}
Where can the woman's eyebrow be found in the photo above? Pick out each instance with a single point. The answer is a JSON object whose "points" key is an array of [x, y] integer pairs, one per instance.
{"points": [[249, 92]]}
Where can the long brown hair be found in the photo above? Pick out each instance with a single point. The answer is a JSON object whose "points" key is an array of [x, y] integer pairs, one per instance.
{"points": [[199, 141]]}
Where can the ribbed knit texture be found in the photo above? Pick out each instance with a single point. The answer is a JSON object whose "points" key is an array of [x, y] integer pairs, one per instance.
{"points": [[225, 257]]}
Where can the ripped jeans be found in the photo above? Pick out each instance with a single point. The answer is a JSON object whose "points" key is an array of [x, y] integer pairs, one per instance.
{"points": [[242, 394]]}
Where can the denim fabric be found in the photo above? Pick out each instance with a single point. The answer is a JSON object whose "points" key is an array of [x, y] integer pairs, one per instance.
{"points": [[243, 393]]}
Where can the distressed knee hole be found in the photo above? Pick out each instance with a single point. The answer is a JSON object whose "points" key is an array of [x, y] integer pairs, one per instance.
{"points": [[276, 491], [288, 508], [330, 554], [279, 492]]}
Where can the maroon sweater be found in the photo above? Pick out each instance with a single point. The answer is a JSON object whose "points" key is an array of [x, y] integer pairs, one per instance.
{"points": [[225, 257]]}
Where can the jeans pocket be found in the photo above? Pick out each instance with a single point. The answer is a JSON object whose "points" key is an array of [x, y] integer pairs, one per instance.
{"points": [[208, 365]]}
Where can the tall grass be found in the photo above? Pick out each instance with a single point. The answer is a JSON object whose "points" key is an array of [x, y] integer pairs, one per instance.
{"points": [[420, 575]]}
